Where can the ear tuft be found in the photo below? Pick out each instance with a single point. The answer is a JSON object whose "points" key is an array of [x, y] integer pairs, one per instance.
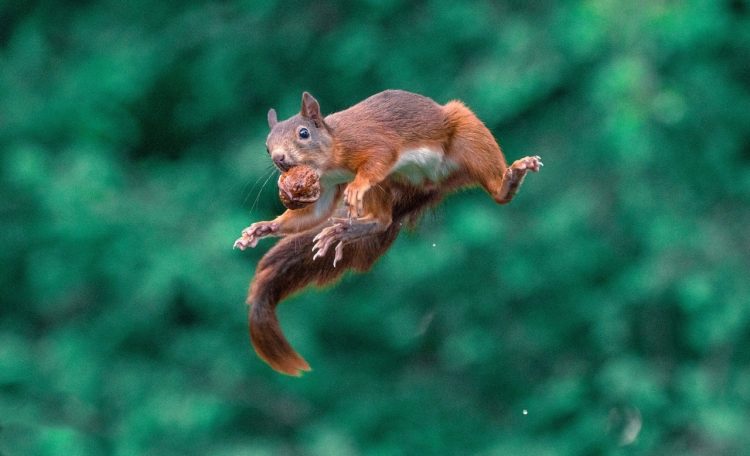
{"points": [[272, 119], [311, 109]]}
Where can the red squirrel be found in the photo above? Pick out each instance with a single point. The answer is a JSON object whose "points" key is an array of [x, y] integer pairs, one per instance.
{"points": [[381, 163]]}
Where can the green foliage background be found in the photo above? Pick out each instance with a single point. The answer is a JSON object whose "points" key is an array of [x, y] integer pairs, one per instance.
{"points": [[610, 301]]}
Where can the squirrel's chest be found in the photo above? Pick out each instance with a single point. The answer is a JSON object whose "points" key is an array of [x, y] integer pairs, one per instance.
{"points": [[419, 164]]}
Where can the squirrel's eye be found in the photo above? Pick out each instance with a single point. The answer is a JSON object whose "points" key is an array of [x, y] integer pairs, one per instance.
{"points": [[304, 133]]}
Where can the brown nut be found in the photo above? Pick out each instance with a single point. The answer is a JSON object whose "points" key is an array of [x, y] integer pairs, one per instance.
{"points": [[299, 187]]}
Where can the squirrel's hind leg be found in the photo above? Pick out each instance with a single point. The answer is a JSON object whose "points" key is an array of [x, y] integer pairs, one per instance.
{"points": [[478, 154], [505, 187], [346, 231]]}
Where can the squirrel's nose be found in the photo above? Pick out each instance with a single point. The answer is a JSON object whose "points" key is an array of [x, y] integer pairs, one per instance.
{"points": [[280, 161]]}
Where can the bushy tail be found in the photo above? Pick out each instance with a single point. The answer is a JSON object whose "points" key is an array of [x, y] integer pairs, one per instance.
{"points": [[288, 267], [269, 342]]}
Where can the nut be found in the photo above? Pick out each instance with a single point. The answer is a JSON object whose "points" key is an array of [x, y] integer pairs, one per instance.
{"points": [[299, 187]]}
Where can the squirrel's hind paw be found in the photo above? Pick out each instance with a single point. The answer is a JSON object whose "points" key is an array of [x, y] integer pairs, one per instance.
{"points": [[528, 164], [326, 238]]}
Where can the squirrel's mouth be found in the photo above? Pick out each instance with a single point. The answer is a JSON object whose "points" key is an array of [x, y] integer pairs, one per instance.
{"points": [[282, 160], [284, 166]]}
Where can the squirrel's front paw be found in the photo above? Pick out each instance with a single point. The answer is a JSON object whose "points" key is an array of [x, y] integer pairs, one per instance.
{"points": [[253, 233], [354, 198], [326, 238]]}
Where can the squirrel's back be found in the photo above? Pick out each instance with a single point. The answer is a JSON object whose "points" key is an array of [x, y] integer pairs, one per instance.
{"points": [[395, 114]]}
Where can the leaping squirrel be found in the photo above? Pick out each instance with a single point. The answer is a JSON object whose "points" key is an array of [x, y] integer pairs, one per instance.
{"points": [[381, 163]]}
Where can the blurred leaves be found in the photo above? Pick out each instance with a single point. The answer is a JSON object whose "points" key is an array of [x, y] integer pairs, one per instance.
{"points": [[609, 301]]}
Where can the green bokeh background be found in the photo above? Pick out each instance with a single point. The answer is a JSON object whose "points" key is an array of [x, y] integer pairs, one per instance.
{"points": [[605, 311]]}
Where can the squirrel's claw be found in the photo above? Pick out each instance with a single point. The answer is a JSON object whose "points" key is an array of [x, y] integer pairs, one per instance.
{"points": [[241, 243], [325, 239], [339, 253], [528, 164]]}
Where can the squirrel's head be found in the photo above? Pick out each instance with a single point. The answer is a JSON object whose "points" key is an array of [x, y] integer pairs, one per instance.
{"points": [[303, 139]]}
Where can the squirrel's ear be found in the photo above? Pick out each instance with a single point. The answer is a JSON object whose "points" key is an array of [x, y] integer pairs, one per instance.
{"points": [[311, 109], [272, 120]]}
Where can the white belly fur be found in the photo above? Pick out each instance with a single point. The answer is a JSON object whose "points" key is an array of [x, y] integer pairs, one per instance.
{"points": [[414, 165], [423, 164]]}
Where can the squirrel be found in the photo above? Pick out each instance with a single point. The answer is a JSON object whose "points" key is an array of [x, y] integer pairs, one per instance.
{"points": [[381, 163]]}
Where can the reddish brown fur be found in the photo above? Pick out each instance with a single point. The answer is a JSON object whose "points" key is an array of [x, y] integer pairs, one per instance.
{"points": [[366, 140], [288, 267], [369, 136]]}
